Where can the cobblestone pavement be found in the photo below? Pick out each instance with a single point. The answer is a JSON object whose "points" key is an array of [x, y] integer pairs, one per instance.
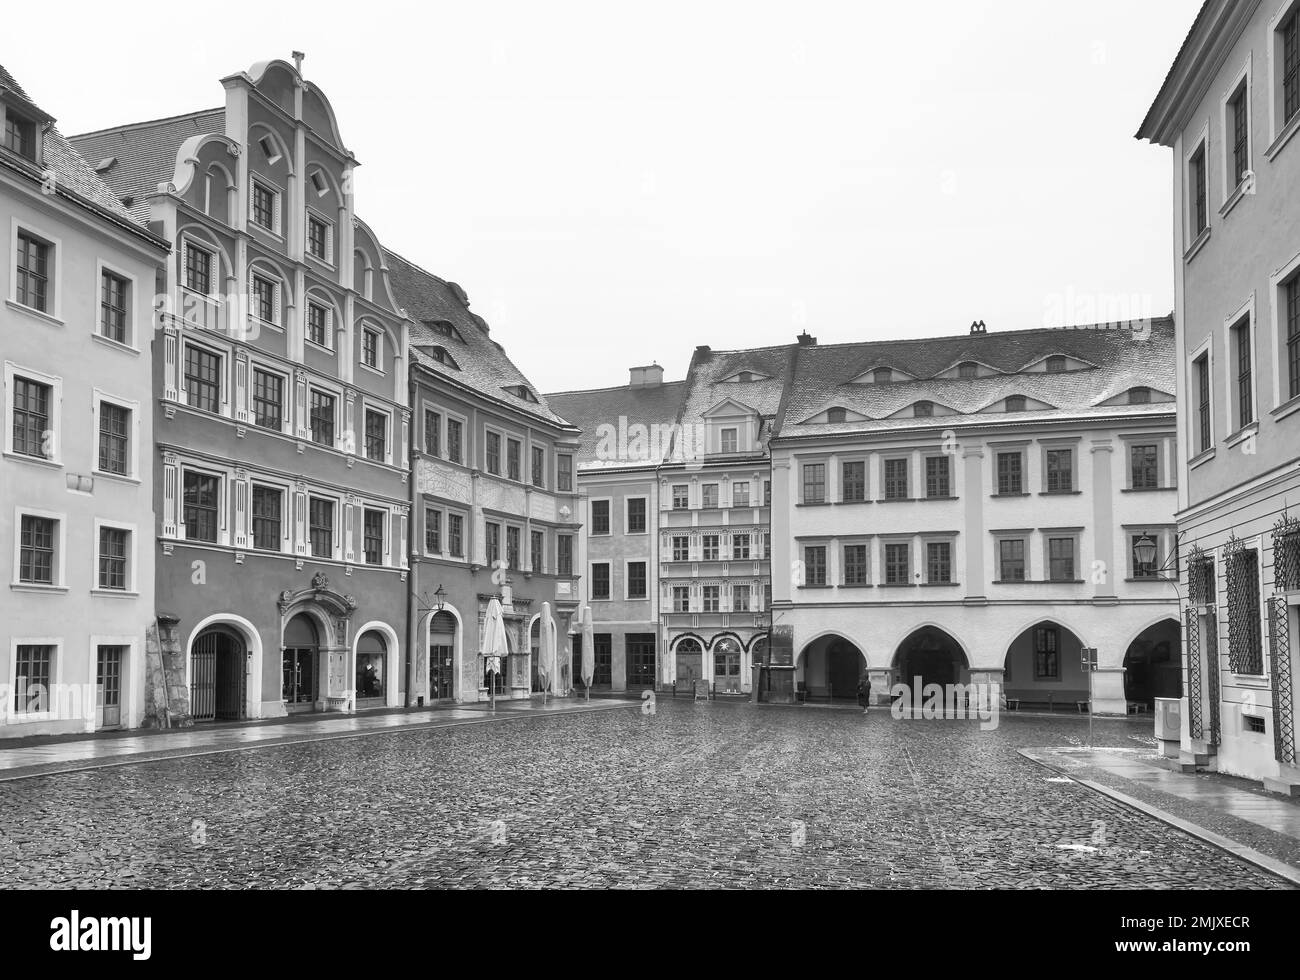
{"points": [[694, 795]]}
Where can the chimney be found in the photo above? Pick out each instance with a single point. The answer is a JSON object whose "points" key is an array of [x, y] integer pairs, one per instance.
{"points": [[807, 340], [978, 328], [647, 376]]}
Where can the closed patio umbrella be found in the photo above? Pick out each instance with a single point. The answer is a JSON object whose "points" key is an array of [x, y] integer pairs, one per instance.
{"points": [[494, 643], [546, 659], [588, 650]]}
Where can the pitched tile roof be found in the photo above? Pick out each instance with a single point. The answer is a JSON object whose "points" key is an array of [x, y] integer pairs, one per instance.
{"points": [[144, 153], [707, 384], [1125, 356], [482, 362], [646, 405], [73, 175]]}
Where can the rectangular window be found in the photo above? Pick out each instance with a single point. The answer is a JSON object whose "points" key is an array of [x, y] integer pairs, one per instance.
{"points": [[711, 595], [603, 655], [855, 564], [740, 494], [853, 482], [513, 547], [898, 564], [264, 206], [767, 493], [1060, 470], [33, 270], [729, 440], [453, 440], [709, 548], [493, 451], [740, 598], [114, 429], [20, 135], [681, 496], [1245, 638], [564, 554], [33, 673], [681, 547], [200, 499], [767, 545], [1143, 468], [636, 515], [1196, 176], [564, 473], [1245, 390], [264, 299], [456, 535], [198, 269], [492, 539], [112, 558], [537, 551], [370, 348], [320, 527], [322, 418], [318, 325], [268, 399], [938, 562], [376, 435], [937, 482], [1047, 654], [31, 417], [1292, 290], [600, 517], [1290, 67], [267, 518], [513, 449], [710, 495], [539, 466], [740, 546], [636, 580], [1010, 474], [1202, 367], [112, 307], [814, 483], [1011, 560], [432, 430], [202, 379], [1239, 118], [896, 479], [36, 550], [600, 580], [432, 531], [814, 565], [317, 238], [1060, 559], [372, 536], [681, 599]]}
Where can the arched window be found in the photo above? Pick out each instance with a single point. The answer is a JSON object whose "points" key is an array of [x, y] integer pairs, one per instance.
{"points": [[299, 663], [372, 654], [442, 656]]}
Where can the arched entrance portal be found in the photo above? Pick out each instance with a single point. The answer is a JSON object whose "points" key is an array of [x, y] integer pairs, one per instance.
{"points": [[726, 665], [932, 655], [690, 661], [301, 664], [217, 675], [1153, 664], [372, 669], [832, 667], [1042, 668], [442, 656]]}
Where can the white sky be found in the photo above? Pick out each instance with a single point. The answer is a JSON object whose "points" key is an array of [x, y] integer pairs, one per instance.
{"points": [[614, 184]]}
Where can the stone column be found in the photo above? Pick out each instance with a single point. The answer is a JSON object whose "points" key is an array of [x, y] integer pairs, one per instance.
{"points": [[1103, 527]]}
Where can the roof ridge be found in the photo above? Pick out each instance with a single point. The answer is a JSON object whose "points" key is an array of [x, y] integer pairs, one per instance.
{"points": [[596, 391], [1067, 328], [146, 122]]}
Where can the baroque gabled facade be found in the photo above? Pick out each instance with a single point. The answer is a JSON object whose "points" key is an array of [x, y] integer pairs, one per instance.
{"points": [[282, 426], [1230, 110]]}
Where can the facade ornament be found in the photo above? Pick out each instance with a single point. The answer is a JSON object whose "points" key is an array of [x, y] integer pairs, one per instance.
{"points": [[233, 149], [320, 581]]}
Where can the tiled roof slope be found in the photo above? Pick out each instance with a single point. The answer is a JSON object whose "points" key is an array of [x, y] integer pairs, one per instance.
{"points": [[647, 405], [145, 153], [71, 171], [1126, 356], [707, 385], [483, 364]]}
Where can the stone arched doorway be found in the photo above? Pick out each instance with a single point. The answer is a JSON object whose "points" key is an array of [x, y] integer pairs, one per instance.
{"points": [[218, 675], [1042, 667], [300, 664], [371, 670], [830, 669], [690, 661], [727, 654], [442, 657], [934, 656], [1153, 664]]}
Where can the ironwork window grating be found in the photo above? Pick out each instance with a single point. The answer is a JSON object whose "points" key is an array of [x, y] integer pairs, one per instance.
{"points": [[1283, 683], [1286, 554], [1245, 640]]}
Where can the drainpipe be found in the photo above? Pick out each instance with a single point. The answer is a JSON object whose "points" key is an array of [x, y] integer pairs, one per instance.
{"points": [[413, 561]]}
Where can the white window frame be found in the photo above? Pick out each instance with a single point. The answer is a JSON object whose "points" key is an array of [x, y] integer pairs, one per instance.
{"points": [[329, 324], [627, 515], [627, 580], [340, 415], [132, 475], [1232, 193], [189, 241], [256, 364], [749, 497], [1193, 240], [591, 572], [534, 448], [1207, 348], [448, 513], [953, 569], [505, 459], [277, 202], [1280, 133], [132, 319], [223, 503], [672, 496], [368, 327], [1245, 313], [502, 468], [722, 439], [132, 579], [1076, 466], [841, 580], [1281, 380], [386, 534], [222, 350], [12, 371], [54, 272], [60, 583], [261, 271], [573, 473], [1046, 536], [56, 679], [466, 450], [591, 514], [338, 525], [314, 215], [367, 407], [286, 513]]}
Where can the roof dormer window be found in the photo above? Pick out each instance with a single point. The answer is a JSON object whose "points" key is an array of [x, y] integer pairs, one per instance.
{"points": [[1015, 403], [1139, 396], [882, 376], [1056, 364], [834, 415], [923, 410], [20, 135], [968, 369], [522, 391]]}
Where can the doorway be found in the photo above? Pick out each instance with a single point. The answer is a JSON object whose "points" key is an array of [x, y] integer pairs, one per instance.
{"points": [[108, 686], [300, 662], [217, 676]]}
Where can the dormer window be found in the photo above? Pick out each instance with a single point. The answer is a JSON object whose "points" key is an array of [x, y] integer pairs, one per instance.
{"points": [[522, 391], [440, 355], [444, 328], [20, 135], [1015, 403], [744, 377], [319, 182], [835, 415], [1055, 364], [968, 369], [882, 376], [923, 410], [1139, 396], [268, 148]]}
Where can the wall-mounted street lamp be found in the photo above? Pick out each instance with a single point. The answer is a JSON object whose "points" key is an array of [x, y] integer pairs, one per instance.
{"points": [[1144, 551], [440, 598]]}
